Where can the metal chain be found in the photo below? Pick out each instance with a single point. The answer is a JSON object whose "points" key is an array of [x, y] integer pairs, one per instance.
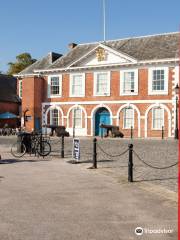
{"points": [[118, 155], [149, 165]]}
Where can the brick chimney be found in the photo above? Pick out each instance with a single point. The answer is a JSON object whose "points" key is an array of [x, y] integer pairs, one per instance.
{"points": [[72, 45]]}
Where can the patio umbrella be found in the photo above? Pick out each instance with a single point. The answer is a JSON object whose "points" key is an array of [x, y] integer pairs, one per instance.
{"points": [[7, 115]]}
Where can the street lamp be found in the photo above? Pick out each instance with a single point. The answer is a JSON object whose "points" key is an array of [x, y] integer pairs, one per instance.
{"points": [[176, 135]]}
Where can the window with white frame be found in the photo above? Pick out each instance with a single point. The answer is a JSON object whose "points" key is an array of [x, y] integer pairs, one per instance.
{"points": [[54, 116], [20, 88], [128, 117], [77, 85], [157, 118], [77, 118], [158, 81], [55, 86], [129, 82], [102, 84]]}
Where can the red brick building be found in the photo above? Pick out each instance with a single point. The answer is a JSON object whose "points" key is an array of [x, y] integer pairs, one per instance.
{"points": [[128, 82], [9, 100]]}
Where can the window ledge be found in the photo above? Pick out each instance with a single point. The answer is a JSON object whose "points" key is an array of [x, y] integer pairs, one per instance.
{"points": [[158, 93], [102, 95], [77, 96], [54, 96], [129, 94]]}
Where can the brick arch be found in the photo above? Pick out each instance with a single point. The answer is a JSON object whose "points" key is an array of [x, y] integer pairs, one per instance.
{"points": [[138, 113], [161, 106], [51, 108]]}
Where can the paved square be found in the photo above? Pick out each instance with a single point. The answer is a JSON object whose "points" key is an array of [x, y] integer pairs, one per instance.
{"points": [[51, 199]]}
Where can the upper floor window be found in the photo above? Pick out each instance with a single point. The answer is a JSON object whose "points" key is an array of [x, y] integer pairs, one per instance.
{"points": [[54, 117], [77, 118], [55, 86], [129, 82], [77, 85], [128, 117], [102, 83], [158, 81], [157, 118], [20, 88]]}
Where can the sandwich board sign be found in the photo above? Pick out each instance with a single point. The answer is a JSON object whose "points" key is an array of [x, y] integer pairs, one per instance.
{"points": [[76, 149]]}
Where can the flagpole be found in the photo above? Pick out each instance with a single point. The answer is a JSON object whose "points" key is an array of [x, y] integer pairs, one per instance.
{"points": [[104, 20]]}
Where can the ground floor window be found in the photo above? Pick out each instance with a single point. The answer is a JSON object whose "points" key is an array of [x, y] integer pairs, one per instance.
{"points": [[128, 117], [54, 117], [157, 118], [77, 118]]}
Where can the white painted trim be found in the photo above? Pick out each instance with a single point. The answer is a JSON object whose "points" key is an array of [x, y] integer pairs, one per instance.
{"points": [[138, 113], [135, 82], [166, 80], [20, 88], [108, 102], [51, 107], [169, 117], [95, 83], [118, 53], [159, 61], [49, 95], [93, 113], [83, 84]]}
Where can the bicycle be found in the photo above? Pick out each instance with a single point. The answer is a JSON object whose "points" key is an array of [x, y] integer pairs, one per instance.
{"points": [[38, 144]]}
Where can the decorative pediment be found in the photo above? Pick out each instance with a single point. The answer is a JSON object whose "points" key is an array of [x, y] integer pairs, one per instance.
{"points": [[102, 55]]}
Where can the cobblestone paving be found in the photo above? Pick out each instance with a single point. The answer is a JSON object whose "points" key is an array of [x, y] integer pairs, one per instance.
{"points": [[160, 153]]}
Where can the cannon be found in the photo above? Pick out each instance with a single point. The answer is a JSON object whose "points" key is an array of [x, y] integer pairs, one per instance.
{"points": [[59, 130], [112, 131]]}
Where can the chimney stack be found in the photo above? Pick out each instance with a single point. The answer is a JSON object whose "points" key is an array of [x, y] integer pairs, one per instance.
{"points": [[72, 45]]}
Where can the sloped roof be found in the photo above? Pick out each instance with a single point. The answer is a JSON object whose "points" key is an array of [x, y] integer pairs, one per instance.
{"points": [[8, 89], [43, 63], [153, 47]]}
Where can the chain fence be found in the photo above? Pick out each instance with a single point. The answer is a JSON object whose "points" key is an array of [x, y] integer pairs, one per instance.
{"points": [[153, 160]]}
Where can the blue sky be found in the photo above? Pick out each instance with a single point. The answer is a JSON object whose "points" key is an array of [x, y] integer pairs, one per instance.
{"points": [[38, 26]]}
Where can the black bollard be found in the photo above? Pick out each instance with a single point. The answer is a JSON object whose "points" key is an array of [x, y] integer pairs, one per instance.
{"points": [[94, 153], [62, 146], [131, 132], [41, 147], [130, 163], [162, 136]]}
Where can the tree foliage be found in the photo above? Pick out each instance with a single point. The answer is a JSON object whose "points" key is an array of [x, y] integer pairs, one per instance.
{"points": [[23, 60]]}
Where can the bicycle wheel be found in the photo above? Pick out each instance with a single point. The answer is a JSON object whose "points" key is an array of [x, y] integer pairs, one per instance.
{"points": [[43, 148], [18, 149]]}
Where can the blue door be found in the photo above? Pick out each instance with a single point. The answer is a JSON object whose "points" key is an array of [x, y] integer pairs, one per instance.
{"points": [[102, 117]]}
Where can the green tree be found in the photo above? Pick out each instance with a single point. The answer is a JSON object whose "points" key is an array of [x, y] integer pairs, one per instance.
{"points": [[23, 60]]}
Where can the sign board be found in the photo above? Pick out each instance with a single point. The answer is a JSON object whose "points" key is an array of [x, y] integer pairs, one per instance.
{"points": [[76, 149]]}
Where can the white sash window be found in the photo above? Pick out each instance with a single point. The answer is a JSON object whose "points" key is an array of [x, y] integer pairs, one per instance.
{"points": [[54, 117], [102, 84], [77, 85], [128, 116], [157, 118]]}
